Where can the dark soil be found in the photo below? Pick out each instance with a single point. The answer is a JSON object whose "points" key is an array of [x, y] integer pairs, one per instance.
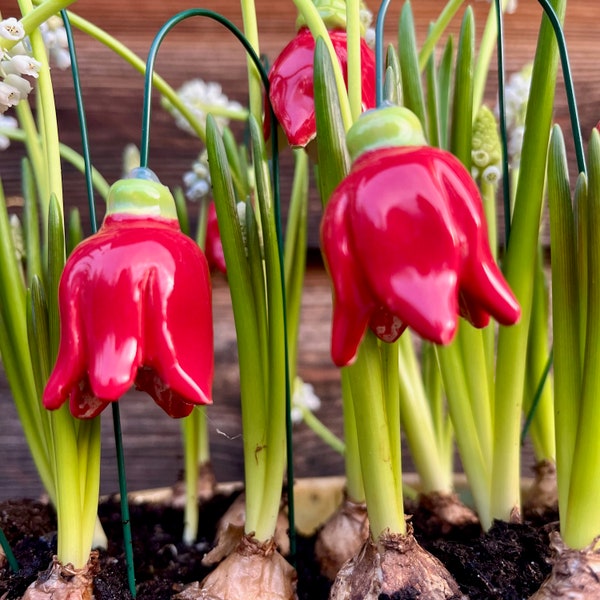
{"points": [[507, 563]]}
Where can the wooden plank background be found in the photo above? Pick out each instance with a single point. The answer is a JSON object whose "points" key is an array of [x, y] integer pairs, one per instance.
{"points": [[113, 93]]}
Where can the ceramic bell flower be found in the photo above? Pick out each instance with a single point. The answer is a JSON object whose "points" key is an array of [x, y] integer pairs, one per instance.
{"points": [[405, 240], [291, 90], [135, 309]]}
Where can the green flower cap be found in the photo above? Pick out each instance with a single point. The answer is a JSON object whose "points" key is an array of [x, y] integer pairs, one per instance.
{"points": [[333, 13], [384, 127], [141, 193]]}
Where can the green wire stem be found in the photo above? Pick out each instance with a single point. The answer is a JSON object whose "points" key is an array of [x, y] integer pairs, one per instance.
{"points": [[502, 116], [125, 520], [144, 149], [379, 54], [581, 164], [12, 561], [568, 79]]}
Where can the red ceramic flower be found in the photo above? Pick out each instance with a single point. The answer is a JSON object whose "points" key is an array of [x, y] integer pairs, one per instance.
{"points": [[405, 241], [213, 246], [135, 308], [291, 83]]}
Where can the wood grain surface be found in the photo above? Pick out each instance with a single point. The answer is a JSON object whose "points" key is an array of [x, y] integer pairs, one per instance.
{"points": [[113, 92]]}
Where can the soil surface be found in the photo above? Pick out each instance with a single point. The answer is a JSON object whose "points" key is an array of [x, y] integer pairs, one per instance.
{"points": [[507, 563]]}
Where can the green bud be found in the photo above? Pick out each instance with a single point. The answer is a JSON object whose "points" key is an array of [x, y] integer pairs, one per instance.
{"points": [[141, 194], [486, 151], [384, 127]]}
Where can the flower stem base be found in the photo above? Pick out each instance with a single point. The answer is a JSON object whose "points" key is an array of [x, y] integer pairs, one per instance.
{"points": [[394, 566], [254, 570], [64, 582], [575, 573], [342, 536]]}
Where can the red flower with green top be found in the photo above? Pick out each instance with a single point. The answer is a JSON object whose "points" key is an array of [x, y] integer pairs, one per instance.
{"points": [[405, 241], [291, 88], [135, 309]]}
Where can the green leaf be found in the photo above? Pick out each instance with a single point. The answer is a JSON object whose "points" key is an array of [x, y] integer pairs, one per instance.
{"points": [[334, 161], [444, 86], [74, 230], [462, 107], [31, 224], [56, 263], [182, 210], [432, 102], [412, 89]]}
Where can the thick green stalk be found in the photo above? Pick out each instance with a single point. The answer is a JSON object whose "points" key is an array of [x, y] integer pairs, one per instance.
{"points": [[582, 523], [254, 81], [252, 387], [385, 509], [277, 351], [519, 264], [417, 422], [467, 436], [191, 441], [353, 49], [354, 481]]}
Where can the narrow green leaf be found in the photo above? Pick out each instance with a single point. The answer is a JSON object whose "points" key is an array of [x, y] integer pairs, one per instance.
{"points": [[444, 86], [462, 106], [393, 78], [582, 524], [31, 223], [182, 210], [433, 117], [56, 263], [334, 161], [412, 89], [74, 230]]}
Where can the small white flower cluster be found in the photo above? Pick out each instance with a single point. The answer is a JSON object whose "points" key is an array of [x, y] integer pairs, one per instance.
{"points": [[197, 180], [304, 400], [56, 42], [6, 123], [15, 64], [516, 95], [486, 154], [201, 98]]}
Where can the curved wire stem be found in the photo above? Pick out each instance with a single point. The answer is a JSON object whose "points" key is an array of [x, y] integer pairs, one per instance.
{"points": [[502, 116], [568, 79], [125, 520], [379, 54], [144, 148]]}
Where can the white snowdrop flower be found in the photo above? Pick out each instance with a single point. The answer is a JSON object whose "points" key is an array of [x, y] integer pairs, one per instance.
{"points": [[9, 96], [11, 29], [197, 180], [21, 64], [19, 83], [202, 98], [303, 399], [6, 122], [56, 42]]}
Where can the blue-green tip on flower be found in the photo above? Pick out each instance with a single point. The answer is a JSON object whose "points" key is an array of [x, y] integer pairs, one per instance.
{"points": [[384, 127], [141, 193]]}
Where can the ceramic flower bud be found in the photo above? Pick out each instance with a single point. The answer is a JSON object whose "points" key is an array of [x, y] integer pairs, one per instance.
{"points": [[213, 246], [291, 76], [135, 309], [405, 241]]}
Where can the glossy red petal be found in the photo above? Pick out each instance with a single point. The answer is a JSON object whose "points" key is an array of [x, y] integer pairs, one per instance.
{"points": [[291, 83], [352, 303]]}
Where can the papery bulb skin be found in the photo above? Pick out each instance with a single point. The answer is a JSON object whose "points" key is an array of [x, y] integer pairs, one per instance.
{"points": [[405, 243], [135, 309], [291, 83]]}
